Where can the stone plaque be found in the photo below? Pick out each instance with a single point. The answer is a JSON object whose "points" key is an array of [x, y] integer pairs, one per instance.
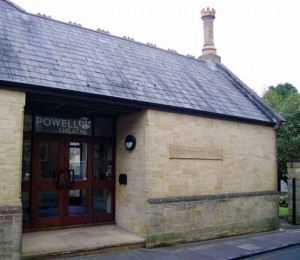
{"points": [[200, 153]]}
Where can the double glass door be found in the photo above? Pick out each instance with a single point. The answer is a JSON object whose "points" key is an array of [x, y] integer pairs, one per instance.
{"points": [[71, 181]]}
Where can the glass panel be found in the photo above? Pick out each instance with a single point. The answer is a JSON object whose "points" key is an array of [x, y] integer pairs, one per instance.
{"points": [[48, 204], [103, 127], [102, 161], [63, 125], [78, 160], [102, 201], [26, 160], [49, 160], [25, 205], [77, 202]]}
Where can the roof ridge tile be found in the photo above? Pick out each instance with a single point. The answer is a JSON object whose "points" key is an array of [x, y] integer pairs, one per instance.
{"points": [[102, 31], [128, 38], [151, 44], [44, 15], [73, 23], [171, 50], [70, 23]]}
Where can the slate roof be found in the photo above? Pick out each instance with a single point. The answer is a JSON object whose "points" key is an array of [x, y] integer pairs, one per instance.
{"points": [[40, 51]]}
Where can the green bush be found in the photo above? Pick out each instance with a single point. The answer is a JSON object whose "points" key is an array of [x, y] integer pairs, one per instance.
{"points": [[283, 200], [283, 211]]}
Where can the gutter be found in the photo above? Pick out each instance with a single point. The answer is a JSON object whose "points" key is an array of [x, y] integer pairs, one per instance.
{"points": [[127, 102]]}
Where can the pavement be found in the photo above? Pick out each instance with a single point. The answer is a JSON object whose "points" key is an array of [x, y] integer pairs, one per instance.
{"points": [[51, 243], [229, 248]]}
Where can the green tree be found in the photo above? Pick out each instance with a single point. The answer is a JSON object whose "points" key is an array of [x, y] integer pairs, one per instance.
{"points": [[285, 99]]}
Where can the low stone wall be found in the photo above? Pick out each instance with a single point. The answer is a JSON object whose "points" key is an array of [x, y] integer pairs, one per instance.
{"points": [[10, 232], [294, 173], [195, 218]]}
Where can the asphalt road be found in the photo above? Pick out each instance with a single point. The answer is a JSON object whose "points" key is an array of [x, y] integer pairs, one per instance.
{"points": [[290, 253]]}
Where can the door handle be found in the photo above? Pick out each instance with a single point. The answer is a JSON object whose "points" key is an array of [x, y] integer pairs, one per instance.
{"points": [[55, 174], [72, 175], [56, 177], [69, 178]]}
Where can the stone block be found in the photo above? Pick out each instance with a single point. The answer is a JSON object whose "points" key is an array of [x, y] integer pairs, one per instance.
{"points": [[247, 164], [131, 199], [253, 146], [10, 232], [294, 164], [11, 133], [221, 223]]}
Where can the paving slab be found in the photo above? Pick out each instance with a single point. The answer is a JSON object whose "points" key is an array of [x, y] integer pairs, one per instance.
{"points": [[49, 243], [227, 248]]}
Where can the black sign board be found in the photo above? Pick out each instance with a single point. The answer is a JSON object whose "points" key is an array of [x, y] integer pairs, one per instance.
{"points": [[59, 125]]}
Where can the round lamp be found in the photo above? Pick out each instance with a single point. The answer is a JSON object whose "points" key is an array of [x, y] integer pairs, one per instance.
{"points": [[130, 142]]}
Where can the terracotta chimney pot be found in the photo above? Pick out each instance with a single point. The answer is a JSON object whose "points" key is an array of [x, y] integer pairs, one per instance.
{"points": [[209, 52]]}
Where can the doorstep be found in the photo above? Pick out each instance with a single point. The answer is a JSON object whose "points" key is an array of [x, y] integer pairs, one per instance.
{"points": [[78, 241]]}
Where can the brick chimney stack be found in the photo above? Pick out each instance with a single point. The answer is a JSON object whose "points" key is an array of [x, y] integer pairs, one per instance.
{"points": [[209, 52]]}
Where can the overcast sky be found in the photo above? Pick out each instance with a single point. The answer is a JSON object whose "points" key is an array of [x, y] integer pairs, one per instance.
{"points": [[258, 40]]}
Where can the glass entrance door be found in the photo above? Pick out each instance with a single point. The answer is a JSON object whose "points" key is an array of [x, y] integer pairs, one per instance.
{"points": [[68, 171], [77, 182], [61, 182]]}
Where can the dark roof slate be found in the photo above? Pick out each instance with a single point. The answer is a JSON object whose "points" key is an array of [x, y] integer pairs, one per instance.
{"points": [[40, 51]]}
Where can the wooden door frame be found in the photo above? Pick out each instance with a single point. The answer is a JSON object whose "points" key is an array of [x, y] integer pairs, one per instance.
{"points": [[108, 184], [87, 185], [37, 222], [63, 220]]}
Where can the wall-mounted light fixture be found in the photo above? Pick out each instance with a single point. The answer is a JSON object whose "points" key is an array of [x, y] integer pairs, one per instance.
{"points": [[130, 142]]}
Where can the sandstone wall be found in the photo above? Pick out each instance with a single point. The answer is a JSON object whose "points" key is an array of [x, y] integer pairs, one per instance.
{"points": [[219, 180], [248, 164], [222, 183], [208, 217], [11, 134], [130, 198]]}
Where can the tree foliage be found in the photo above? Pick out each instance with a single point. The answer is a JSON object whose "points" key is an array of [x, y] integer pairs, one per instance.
{"points": [[285, 99]]}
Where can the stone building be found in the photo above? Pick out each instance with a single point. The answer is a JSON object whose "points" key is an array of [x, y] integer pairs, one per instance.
{"points": [[98, 129]]}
